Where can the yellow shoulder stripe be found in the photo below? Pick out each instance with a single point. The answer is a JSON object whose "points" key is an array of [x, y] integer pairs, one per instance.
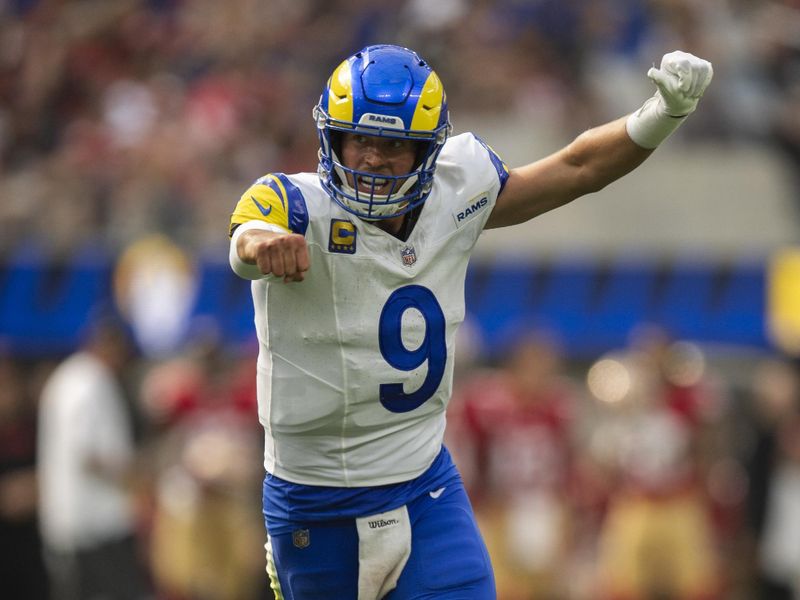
{"points": [[266, 201]]}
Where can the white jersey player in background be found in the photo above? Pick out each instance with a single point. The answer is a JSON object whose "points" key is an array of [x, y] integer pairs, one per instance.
{"points": [[361, 499]]}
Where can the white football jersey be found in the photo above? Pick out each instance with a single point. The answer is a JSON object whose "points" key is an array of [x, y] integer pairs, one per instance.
{"points": [[356, 362]]}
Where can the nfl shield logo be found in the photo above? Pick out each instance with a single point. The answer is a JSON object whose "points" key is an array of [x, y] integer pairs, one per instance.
{"points": [[301, 538], [408, 255]]}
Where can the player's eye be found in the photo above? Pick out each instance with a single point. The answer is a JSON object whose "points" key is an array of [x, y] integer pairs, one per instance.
{"points": [[398, 146]]}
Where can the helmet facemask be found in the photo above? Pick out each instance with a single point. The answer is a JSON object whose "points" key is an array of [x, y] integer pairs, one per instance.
{"points": [[405, 192]]}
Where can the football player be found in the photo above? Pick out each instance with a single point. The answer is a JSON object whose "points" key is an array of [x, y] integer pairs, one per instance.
{"points": [[361, 499]]}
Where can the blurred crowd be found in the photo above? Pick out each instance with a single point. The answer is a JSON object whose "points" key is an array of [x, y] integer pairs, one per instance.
{"points": [[128, 478], [655, 471], [648, 472], [125, 117]]}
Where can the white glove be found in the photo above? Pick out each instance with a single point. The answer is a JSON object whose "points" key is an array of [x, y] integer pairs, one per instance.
{"points": [[681, 81]]}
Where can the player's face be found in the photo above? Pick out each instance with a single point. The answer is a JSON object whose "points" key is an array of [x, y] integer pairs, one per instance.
{"points": [[381, 156]]}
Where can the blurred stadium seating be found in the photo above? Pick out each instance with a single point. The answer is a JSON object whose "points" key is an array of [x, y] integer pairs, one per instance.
{"points": [[594, 305]]}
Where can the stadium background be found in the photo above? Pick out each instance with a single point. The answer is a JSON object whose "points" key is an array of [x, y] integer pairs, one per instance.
{"points": [[129, 128]]}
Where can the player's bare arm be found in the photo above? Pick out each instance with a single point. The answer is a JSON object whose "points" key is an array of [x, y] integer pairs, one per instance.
{"points": [[280, 254], [593, 160], [601, 155]]}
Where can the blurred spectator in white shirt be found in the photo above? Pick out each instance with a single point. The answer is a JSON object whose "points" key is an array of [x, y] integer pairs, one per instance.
{"points": [[86, 451]]}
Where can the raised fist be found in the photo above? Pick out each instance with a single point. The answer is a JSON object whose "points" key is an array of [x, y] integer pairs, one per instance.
{"points": [[681, 81]]}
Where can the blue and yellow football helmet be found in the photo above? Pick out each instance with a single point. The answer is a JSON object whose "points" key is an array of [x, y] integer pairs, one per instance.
{"points": [[385, 91]]}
